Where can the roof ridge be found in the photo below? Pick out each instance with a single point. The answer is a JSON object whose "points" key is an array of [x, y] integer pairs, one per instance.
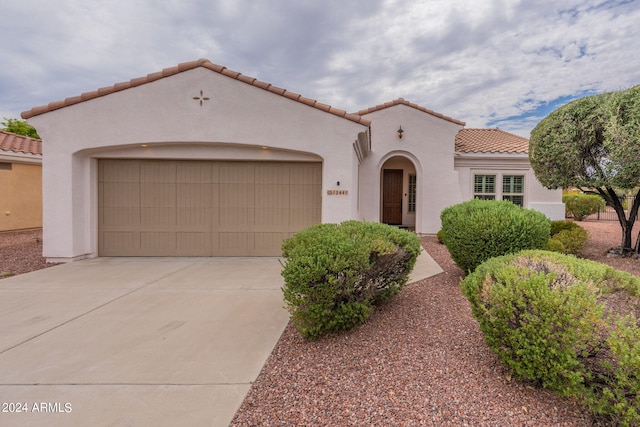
{"points": [[402, 101], [186, 66]]}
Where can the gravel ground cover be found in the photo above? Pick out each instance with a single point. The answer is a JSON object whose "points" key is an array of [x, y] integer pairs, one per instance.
{"points": [[21, 252], [419, 360]]}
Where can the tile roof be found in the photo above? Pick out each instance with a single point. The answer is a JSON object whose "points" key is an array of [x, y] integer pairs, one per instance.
{"points": [[402, 101], [490, 141], [186, 66], [19, 144]]}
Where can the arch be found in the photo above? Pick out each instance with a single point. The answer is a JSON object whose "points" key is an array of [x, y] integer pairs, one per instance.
{"points": [[391, 167]]}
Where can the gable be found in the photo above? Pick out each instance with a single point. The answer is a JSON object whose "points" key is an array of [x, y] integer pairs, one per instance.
{"points": [[402, 101], [204, 63]]}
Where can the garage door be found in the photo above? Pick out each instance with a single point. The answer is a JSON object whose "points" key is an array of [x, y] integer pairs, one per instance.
{"points": [[204, 208]]}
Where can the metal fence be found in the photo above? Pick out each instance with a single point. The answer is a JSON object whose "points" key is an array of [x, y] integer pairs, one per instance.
{"points": [[609, 214]]}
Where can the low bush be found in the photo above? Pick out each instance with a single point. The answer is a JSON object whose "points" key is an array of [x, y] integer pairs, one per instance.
{"points": [[336, 273], [568, 324], [567, 237], [477, 230], [580, 206]]}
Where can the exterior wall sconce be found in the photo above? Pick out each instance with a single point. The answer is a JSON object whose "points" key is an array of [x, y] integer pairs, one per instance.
{"points": [[400, 132]]}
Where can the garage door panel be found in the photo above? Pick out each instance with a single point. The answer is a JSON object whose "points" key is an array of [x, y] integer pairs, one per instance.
{"points": [[124, 218], [163, 217], [125, 194], [192, 172], [159, 243], [159, 171], [120, 171], [158, 194], [115, 243], [193, 219], [237, 195], [193, 244], [267, 243], [235, 244], [236, 219], [204, 208]]}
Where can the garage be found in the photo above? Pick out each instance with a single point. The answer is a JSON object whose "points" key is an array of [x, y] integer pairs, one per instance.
{"points": [[204, 208]]}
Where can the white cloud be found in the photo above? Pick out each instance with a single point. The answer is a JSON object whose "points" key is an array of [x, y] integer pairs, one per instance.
{"points": [[481, 61]]}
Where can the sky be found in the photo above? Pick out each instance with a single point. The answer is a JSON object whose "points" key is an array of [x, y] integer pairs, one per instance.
{"points": [[489, 63]]}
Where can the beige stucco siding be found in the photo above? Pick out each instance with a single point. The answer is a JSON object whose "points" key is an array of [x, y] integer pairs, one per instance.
{"points": [[20, 196]]}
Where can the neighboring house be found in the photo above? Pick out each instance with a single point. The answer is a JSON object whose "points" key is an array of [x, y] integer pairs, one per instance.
{"points": [[198, 160], [20, 182]]}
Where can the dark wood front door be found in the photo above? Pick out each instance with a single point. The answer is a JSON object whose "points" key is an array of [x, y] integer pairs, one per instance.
{"points": [[392, 196]]}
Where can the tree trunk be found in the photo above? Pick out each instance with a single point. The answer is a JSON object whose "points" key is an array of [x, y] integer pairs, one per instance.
{"points": [[625, 223]]}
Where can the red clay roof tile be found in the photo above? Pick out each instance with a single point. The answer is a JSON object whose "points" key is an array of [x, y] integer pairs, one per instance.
{"points": [[402, 101], [185, 66], [19, 144], [490, 141]]}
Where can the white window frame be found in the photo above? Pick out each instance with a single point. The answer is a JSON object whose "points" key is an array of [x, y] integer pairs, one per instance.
{"points": [[499, 193]]}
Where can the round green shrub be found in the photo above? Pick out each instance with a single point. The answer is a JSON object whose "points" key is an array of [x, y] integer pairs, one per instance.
{"points": [[336, 273], [558, 320], [477, 230], [567, 237], [581, 206]]}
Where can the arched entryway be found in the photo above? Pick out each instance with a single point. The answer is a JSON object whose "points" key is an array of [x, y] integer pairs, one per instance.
{"points": [[398, 192]]}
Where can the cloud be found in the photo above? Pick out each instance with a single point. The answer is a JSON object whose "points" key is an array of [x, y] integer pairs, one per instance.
{"points": [[489, 62]]}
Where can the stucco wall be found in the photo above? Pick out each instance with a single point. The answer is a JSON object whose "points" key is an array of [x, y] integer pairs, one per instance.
{"points": [[237, 121], [20, 196], [428, 143]]}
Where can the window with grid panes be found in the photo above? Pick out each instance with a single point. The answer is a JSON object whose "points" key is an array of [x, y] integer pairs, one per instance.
{"points": [[513, 189], [412, 193], [484, 187]]}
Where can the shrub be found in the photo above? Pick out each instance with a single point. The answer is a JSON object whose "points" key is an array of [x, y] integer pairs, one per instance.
{"points": [[477, 230], [335, 274], [567, 237], [568, 324], [580, 206]]}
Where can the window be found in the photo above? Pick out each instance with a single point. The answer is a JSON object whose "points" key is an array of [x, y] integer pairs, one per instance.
{"points": [[484, 187], [412, 193], [513, 189], [5, 166]]}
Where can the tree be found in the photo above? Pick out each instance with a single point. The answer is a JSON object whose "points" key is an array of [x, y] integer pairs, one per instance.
{"points": [[19, 127], [593, 144]]}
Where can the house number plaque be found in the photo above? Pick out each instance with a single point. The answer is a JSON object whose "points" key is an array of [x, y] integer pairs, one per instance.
{"points": [[337, 192]]}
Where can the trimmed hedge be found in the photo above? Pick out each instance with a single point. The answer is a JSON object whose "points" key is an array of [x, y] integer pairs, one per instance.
{"points": [[336, 273], [567, 237], [568, 324], [477, 230], [581, 206]]}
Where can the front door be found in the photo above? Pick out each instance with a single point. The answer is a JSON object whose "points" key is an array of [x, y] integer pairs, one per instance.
{"points": [[392, 196]]}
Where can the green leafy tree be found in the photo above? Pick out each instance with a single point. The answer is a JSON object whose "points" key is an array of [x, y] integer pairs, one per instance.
{"points": [[593, 144], [19, 127]]}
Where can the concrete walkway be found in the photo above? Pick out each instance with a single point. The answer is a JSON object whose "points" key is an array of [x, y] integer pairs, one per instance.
{"points": [[139, 341]]}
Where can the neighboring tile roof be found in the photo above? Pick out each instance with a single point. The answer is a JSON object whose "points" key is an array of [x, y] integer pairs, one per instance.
{"points": [[19, 144], [402, 101], [490, 141], [185, 66]]}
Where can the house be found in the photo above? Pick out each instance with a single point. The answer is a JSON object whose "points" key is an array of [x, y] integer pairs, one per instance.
{"points": [[20, 182], [198, 160]]}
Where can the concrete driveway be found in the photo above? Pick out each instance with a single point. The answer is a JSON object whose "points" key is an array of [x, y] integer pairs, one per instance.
{"points": [[136, 341], [139, 341]]}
